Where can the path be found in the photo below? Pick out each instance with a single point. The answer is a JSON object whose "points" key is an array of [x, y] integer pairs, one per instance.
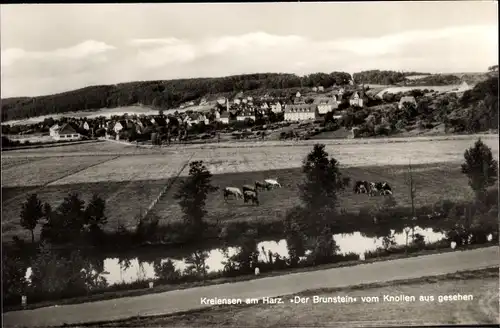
{"points": [[188, 299]]}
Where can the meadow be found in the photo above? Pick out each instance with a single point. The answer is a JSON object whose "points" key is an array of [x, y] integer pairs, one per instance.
{"points": [[438, 88], [434, 182], [131, 178]]}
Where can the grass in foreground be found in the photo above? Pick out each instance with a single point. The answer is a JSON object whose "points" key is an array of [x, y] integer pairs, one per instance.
{"points": [[483, 309]]}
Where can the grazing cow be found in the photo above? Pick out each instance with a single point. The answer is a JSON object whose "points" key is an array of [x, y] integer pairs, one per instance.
{"points": [[250, 195], [249, 188], [380, 188], [271, 183], [232, 191], [261, 184], [361, 187]]}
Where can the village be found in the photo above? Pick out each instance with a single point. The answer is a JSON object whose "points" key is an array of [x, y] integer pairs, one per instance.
{"points": [[235, 118]]}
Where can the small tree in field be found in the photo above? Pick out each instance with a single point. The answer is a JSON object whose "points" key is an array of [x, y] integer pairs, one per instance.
{"points": [[480, 168], [192, 196], [31, 213], [323, 181]]}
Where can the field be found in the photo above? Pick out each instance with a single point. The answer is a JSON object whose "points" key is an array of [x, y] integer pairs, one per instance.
{"points": [[438, 88], [482, 309], [131, 178], [106, 112]]}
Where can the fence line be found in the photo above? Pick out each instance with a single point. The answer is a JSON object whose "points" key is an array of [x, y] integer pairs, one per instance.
{"points": [[167, 187]]}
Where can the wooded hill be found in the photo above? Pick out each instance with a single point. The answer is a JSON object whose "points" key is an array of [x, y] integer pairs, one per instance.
{"points": [[161, 94]]}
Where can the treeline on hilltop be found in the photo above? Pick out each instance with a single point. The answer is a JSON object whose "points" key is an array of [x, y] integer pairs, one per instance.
{"points": [[383, 77], [161, 94]]}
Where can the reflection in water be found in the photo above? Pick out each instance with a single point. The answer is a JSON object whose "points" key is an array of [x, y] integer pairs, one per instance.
{"points": [[127, 271], [348, 243]]}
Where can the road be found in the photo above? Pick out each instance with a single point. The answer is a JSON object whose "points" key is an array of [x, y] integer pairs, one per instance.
{"points": [[189, 299]]}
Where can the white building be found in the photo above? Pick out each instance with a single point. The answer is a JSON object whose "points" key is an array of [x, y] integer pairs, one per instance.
{"points": [[224, 118], [356, 100], [276, 108], [67, 132], [53, 130], [326, 105], [300, 112], [246, 115], [404, 100]]}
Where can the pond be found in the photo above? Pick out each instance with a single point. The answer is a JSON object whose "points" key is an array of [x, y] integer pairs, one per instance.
{"points": [[122, 271]]}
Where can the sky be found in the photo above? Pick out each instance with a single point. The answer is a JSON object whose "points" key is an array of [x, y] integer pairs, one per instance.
{"points": [[54, 48]]}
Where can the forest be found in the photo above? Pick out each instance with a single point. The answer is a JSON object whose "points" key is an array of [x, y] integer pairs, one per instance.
{"points": [[161, 94]]}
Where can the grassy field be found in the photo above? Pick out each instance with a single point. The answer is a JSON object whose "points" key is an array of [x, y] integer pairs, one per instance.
{"points": [[130, 182], [482, 309], [434, 182], [438, 88], [106, 112]]}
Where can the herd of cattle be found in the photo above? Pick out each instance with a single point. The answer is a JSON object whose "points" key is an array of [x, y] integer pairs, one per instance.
{"points": [[372, 188], [251, 193]]}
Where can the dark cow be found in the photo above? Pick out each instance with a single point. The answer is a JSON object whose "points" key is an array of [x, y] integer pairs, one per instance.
{"points": [[262, 185], [250, 195], [248, 188], [361, 187], [380, 188]]}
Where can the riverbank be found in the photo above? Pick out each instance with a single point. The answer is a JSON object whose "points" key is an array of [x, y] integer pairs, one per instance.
{"points": [[141, 288], [189, 299], [481, 284]]}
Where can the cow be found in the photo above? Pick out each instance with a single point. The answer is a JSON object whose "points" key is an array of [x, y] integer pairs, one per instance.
{"points": [[248, 188], [261, 184], [380, 188], [236, 192], [271, 183], [250, 195], [361, 187]]}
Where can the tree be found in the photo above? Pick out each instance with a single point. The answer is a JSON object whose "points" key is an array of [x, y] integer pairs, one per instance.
{"points": [[192, 196], [323, 181], [66, 223], [31, 213], [480, 168], [325, 247], [295, 240], [95, 217]]}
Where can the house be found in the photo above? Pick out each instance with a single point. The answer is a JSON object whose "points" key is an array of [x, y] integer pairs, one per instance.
{"points": [[244, 101], [120, 125], [247, 114], [300, 112], [53, 130], [356, 99], [326, 105], [86, 126], [276, 108], [250, 99], [314, 89], [463, 87], [404, 100], [67, 132], [297, 95], [236, 101], [321, 89], [224, 118]]}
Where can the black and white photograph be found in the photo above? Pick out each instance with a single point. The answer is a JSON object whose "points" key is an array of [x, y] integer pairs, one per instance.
{"points": [[267, 164]]}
